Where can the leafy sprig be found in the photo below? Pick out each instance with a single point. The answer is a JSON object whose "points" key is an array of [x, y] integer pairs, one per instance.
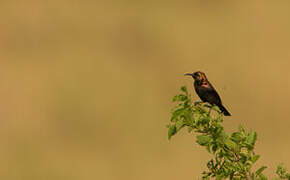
{"points": [[233, 154]]}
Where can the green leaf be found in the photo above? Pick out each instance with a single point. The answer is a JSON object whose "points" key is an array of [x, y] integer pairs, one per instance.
{"points": [[282, 171], [204, 120], [203, 139], [219, 177], [236, 136], [176, 114], [206, 175], [208, 148], [187, 115], [183, 89], [231, 144], [171, 131], [216, 108], [262, 177], [214, 148], [252, 138], [255, 158], [242, 130], [179, 124], [174, 98], [179, 97], [260, 170]]}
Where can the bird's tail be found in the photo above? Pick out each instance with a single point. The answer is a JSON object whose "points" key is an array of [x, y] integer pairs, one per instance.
{"points": [[224, 110]]}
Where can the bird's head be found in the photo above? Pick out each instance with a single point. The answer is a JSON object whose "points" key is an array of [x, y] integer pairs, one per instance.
{"points": [[197, 76]]}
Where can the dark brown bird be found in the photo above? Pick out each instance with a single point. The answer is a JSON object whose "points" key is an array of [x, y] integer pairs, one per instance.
{"points": [[206, 91]]}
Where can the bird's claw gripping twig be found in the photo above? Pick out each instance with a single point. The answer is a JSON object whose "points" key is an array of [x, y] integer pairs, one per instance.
{"points": [[197, 103]]}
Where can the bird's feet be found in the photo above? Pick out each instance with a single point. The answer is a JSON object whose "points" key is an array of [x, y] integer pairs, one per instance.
{"points": [[197, 103]]}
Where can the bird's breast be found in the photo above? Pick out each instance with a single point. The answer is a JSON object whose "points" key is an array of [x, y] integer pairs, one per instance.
{"points": [[205, 85]]}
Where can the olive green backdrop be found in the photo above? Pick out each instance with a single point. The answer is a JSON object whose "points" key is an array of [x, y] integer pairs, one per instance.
{"points": [[86, 86]]}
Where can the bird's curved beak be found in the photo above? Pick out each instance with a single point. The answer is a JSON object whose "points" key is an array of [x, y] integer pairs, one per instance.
{"points": [[188, 74]]}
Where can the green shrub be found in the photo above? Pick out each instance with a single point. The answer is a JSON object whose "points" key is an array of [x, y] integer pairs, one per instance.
{"points": [[233, 154]]}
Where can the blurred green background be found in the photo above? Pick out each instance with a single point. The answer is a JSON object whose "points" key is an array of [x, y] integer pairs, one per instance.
{"points": [[86, 86]]}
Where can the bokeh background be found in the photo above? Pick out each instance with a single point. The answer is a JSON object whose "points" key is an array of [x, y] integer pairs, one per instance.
{"points": [[86, 86]]}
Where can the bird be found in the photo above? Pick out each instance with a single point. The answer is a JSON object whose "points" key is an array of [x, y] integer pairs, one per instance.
{"points": [[206, 91]]}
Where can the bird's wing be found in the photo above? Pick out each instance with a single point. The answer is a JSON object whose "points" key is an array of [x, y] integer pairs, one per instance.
{"points": [[208, 94]]}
